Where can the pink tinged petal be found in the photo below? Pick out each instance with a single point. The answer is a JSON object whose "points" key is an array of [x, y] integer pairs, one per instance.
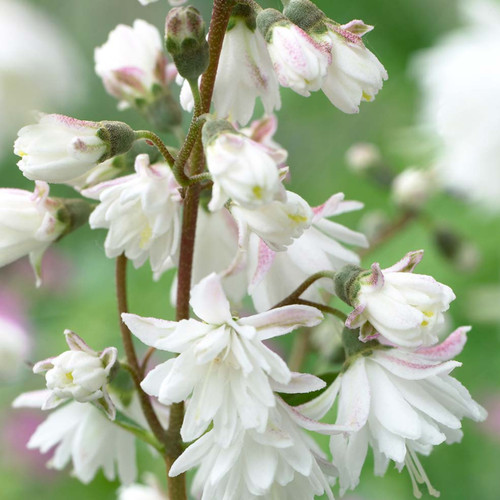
{"points": [[411, 366], [318, 407], [76, 343], [300, 383], [34, 399], [375, 280], [281, 320], [209, 301], [390, 408], [449, 348], [356, 318], [265, 259], [357, 27], [328, 208], [148, 330], [407, 264]]}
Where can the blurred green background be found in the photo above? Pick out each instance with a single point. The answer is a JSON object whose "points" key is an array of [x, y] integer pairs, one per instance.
{"points": [[317, 137]]}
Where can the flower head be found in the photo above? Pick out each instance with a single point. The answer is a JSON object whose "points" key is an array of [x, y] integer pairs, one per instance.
{"points": [[142, 214], [222, 363]]}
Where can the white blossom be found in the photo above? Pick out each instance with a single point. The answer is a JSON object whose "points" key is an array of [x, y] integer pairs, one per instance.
{"points": [[142, 214], [280, 463], [28, 224], [15, 345], [59, 148], [405, 308], [82, 434], [245, 73], [401, 403], [222, 364], [362, 156], [277, 223], [354, 74], [273, 276], [132, 62], [413, 187], [80, 374], [242, 170], [460, 77], [148, 491]]}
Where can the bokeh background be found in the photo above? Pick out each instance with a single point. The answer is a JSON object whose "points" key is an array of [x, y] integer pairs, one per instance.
{"points": [[78, 291]]}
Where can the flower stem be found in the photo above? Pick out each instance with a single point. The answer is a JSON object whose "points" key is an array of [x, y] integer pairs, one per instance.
{"points": [[324, 308]]}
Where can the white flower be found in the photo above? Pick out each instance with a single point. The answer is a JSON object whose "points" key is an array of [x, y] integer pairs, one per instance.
{"points": [[80, 373], [28, 225], [362, 156], [406, 308], [413, 187], [460, 78], [82, 433], [277, 223], [14, 346], [222, 363], [132, 62], [242, 170], [245, 73], [355, 74], [149, 491], [273, 276], [142, 213], [36, 53], [280, 463], [59, 148], [300, 62], [400, 403]]}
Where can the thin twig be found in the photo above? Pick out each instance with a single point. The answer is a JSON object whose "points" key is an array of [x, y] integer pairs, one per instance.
{"points": [[323, 308]]}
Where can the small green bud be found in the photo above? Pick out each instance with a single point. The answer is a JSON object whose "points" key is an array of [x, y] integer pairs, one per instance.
{"points": [[306, 16], [185, 41], [73, 213], [243, 13], [347, 284], [267, 19], [118, 136], [213, 128]]}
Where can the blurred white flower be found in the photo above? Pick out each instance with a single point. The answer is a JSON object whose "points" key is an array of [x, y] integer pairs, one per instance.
{"points": [[405, 308], [28, 225], [15, 345], [362, 156], [355, 74], [83, 435], [245, 73], [132, 62], [273, 276], [460, 78], [142, 214], [223, 363], [35, 54], [148, 491], [413, 187]]}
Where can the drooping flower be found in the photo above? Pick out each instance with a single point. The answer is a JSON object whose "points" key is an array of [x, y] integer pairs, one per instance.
{"points": [[241, 168], [132, 63], [82, 434], [222, 364], [300, 61], [281, 462], [80, 374], [277, 223], [60, 148], [401, 403], [273, 276], [355, 74], [142, 214], [28, 224], [245, 71], [406, 308]]}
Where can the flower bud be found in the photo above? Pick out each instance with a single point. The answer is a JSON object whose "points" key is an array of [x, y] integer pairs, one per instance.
{"points": [[362, 156], [80, 374], [241, 168], [412, 188], [306, 15], [185, 41], [60, 148]]}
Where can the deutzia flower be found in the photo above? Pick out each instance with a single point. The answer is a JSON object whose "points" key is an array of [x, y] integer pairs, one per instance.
{"points": [[300, 61], [245, 71], [277, 223], [132, 62], [28, 224], [401, 403], [142, 213], [60, 148], [241, 168], [80, 374], [222, 363], [406, 308], [355, 74], [273, 276], [82, 434], [279, 463]]}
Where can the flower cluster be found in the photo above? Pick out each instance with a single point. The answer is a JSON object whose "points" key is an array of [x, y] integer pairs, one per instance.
{"points": [[218, 208]]}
